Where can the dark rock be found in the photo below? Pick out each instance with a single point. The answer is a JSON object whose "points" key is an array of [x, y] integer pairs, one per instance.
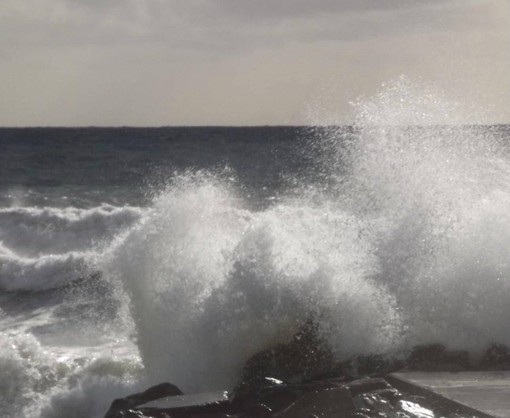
{"points": [[496, 357], [369, 365], [120, 407], [334, 402], [273, 393], [306, 384], [390, 394], [361, 414], [435, 357], [253, 387], [258, 411], [132, 413], [414, 409], [287, 400], [365, 385], [373, 402], [378, 365], [305, 357]]}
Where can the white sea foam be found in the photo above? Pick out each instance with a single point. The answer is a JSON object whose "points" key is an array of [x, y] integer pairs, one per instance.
{"points": [[36, 383]]}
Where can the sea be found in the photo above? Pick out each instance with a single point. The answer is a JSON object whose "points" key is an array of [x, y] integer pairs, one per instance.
{"points": [[135, 256]]}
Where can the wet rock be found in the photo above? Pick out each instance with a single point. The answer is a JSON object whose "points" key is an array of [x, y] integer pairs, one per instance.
{"points": [[497, 357], [306, 384], [366, 385], [435, 357], [254, 387], [258, 411], [120, 407], [378, 365], [361, 414], [369, 365], [272, 393], [305, 357], [333, 402], [391, 394], [387, 402], [372, 402], [414, 410]]}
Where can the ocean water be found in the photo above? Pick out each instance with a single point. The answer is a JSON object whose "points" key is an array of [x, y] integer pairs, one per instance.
{"points": [[134, 256]]}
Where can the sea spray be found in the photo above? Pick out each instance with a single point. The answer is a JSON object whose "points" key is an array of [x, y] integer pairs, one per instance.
{"points": [[436, 198], [212, 283], [439, 194], [403, 239]]}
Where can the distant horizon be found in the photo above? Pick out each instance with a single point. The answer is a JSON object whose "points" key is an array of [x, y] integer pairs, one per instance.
{"points": [[252, 126]]}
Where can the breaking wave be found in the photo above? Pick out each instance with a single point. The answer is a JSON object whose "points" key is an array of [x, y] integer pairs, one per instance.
{"points": [[35, 383], [42, 248], [406, 240]]}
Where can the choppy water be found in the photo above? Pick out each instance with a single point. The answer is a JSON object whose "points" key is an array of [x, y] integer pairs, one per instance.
{"points": [[134, 256]]}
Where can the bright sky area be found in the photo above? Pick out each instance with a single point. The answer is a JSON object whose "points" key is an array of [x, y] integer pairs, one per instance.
{"points": [[242, 62]]}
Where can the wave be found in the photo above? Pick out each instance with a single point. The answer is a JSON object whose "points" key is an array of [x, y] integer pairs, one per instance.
{"points": [[36, 383], [43, 248], [406, 242], [41, 273], [32, 231], [212, 283]]}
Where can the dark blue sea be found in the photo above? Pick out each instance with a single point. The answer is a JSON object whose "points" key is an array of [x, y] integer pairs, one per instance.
{"points": [[132, 256]]}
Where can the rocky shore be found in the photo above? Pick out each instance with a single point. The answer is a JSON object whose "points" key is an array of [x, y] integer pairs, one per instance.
{"points": [[301, 380]]}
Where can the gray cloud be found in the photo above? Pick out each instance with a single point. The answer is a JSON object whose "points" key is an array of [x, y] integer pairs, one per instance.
{"points": [[229, 23], [237, 61]]}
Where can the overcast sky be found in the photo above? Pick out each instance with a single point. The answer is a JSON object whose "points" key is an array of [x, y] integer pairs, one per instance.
{"points": [[241, 62]]}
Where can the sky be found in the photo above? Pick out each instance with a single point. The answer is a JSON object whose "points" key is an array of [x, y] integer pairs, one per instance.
{"points": [[242, 62]]}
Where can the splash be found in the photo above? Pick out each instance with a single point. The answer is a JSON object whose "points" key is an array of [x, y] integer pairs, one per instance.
{"points": [[440, 197], [212, 283], [404, 239]]}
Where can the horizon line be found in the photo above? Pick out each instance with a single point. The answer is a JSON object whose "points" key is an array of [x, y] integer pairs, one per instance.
{"points": [[242, 126]]}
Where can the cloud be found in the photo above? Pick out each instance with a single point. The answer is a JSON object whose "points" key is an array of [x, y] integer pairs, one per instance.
{"points": [[80, 62], [210, 23]]}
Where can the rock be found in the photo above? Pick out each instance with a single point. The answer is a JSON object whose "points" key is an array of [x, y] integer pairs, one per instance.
{"points": [[361, 414], [270, 392], [323, 398], [333, 402], [373, 402], [496, 357], [414, 410], [305, 357], [253, 388], [435, 357], [258, 411], [377, 398], [366, 385], [369, 365], [391, 394], [305, 383], [120, 407], [376, 364]]}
